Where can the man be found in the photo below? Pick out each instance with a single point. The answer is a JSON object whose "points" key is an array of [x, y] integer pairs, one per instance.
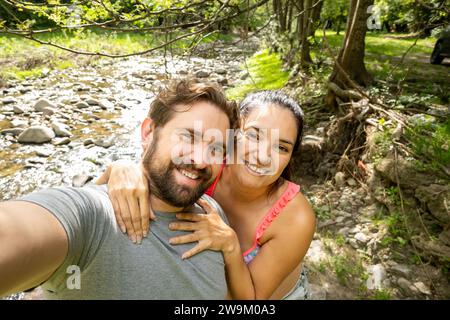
{"points": [[67, 240]]}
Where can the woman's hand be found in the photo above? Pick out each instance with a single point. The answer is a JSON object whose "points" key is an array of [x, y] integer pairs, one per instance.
{"points": [[129, 194], [209, 230]]}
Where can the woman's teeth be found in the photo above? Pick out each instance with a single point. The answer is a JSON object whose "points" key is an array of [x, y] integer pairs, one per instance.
{"points": [[189, 174], [256, 169]]}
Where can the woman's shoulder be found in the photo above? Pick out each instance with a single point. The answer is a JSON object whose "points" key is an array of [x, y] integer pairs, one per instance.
{"points": [[298, 211]]}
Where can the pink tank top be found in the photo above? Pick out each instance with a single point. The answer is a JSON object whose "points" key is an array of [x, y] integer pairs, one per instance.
{"points": [[273, 212]]}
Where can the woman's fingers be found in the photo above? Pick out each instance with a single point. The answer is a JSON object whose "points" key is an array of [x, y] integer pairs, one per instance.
{"points": [[189, 216], [187, 238], [197, 249], [183, 226], [133, 205], [126, 217], [206, 206], [145, 214], [117, 213]]}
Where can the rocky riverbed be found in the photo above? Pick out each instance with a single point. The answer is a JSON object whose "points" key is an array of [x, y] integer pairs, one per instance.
{"points": [[64, 128]]}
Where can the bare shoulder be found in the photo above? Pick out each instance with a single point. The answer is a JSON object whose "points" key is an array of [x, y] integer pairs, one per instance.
{"points": [[297, 215]]}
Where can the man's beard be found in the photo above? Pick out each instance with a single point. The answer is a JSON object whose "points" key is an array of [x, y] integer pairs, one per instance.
{"points": [[162, 179]]}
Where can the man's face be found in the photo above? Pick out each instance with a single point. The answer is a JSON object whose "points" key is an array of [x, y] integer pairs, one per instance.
{"points": [[183, 158]]}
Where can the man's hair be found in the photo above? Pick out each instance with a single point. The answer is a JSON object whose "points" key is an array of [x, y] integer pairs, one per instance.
{"points": [[185, 92]]}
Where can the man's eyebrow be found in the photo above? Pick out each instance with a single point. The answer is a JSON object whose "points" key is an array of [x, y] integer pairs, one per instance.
{"points": [[199, 135], [281, 140], [196, 134]]}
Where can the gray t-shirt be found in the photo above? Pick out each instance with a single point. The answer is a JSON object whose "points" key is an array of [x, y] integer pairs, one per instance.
{"points": [[111, 266]]}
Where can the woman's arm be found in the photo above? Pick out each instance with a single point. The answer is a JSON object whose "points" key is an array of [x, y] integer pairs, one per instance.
{"points": [[292, 233], [129, 194]]}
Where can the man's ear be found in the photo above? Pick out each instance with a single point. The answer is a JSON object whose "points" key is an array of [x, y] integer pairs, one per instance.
{"points": [[147, 130]]}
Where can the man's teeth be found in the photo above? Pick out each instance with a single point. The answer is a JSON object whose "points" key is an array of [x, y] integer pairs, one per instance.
{"points": [[256, 169], [189, 174]]}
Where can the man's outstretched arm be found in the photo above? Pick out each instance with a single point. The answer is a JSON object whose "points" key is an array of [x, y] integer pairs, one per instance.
{"points": [[33, 244]]}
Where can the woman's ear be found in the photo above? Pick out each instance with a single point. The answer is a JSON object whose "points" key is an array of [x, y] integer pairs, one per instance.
{"points": [[147, 130]]}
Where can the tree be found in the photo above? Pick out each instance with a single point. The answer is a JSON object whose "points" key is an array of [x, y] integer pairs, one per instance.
{"points": [[349, 66]]}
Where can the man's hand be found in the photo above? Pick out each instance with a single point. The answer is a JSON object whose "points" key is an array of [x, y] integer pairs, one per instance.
{"points": [[33, 244]]}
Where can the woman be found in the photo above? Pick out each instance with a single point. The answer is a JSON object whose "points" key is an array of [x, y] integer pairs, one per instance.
{"points": [[271, 224]]}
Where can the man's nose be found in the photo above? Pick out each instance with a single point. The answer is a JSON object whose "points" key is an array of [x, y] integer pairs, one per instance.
{"points": [[198, 156]]}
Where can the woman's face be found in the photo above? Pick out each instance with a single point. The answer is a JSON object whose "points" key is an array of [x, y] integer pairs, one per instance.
{"points": [[265, 145]]}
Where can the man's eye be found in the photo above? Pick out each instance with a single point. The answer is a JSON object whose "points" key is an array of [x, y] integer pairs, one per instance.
{"points": [[215, 149], [187, 137]]}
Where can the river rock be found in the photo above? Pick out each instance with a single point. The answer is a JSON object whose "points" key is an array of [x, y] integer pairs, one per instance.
{"points": [[221, 71], [36, 134], [105, 104], [105, 142], [88, 141], [48, 111], [61, 130], [202, 74], [223, 81], [377, 275], [43, 153], [17, 123], [8, 100], [12, 131], [42, 104], [18, 110], [61, 141], [91, 101], [82, 105]]}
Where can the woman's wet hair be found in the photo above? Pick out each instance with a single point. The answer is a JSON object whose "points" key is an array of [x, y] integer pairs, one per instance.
{"points": [[275, 97]]}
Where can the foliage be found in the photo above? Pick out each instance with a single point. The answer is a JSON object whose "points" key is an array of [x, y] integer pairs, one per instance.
{"points": [[335, 13], [429, 140], [412, 15]]}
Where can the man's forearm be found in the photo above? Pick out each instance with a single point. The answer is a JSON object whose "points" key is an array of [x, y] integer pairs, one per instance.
{"points": [[33, 244]]}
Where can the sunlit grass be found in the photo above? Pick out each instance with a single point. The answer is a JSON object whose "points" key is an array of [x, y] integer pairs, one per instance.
{"points": [[265, 73], [15, 51]]}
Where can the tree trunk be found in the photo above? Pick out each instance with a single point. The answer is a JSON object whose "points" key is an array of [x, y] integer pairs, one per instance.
{"points": [[351, 55]]}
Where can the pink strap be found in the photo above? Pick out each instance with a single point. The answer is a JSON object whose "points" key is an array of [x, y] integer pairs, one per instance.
{"points": [[212, 188], [273, 212]]}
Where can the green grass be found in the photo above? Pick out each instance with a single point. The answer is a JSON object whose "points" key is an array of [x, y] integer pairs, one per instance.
{"points": [[265, 70], [17, 63], [383, 55]]}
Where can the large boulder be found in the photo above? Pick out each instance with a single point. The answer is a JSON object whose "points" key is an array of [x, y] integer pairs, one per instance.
{"points": [[436, 198], [36, 134], [407, 173]]}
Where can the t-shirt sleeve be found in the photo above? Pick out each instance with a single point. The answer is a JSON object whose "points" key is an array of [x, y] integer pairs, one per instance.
{"points": [[85, 213]]}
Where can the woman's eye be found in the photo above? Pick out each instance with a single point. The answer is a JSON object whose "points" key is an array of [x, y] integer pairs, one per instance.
{"points": [[283, 148], [252, 135]]}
